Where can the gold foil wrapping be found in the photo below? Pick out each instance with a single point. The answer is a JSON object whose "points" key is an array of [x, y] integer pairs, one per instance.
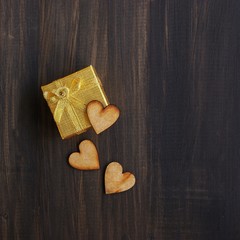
{"points": [[68, 97]]}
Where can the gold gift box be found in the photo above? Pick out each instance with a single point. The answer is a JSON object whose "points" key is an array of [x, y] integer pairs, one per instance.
{"points": [[68, 97]]}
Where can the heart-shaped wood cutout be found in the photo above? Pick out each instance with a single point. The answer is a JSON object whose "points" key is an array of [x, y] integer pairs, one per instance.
{"points": [[87, 158], [116, 181], [102, 118]]}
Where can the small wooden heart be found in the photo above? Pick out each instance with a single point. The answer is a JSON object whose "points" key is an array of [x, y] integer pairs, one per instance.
{"points": [[87, 158], [102, 118], [116, 181]]}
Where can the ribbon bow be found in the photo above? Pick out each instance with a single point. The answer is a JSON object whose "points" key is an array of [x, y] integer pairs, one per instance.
{"points": [[65, 100]]}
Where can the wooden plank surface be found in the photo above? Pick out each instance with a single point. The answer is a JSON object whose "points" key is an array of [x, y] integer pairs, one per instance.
{"points": [[173, 69]]}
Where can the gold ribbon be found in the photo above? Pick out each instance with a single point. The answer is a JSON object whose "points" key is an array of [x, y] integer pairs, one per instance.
{"points": [[65, 101]]}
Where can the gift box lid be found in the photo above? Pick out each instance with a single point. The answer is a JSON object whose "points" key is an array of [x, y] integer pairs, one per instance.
{"points": [[68, 97]]}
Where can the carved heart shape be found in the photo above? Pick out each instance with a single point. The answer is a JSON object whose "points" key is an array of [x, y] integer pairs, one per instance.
{"points": [[102, 118], [116, 181], [87, 158]]}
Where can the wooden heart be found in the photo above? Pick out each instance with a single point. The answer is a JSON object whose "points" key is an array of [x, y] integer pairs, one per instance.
{"points": [[87, 158], [116, 181], [102, 118]]}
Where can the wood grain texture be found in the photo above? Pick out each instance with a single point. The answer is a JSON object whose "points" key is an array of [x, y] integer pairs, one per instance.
{"points": [[172, 67]]}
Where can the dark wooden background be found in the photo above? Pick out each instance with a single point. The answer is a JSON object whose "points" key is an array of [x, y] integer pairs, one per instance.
{"points": [[173, 68]]}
